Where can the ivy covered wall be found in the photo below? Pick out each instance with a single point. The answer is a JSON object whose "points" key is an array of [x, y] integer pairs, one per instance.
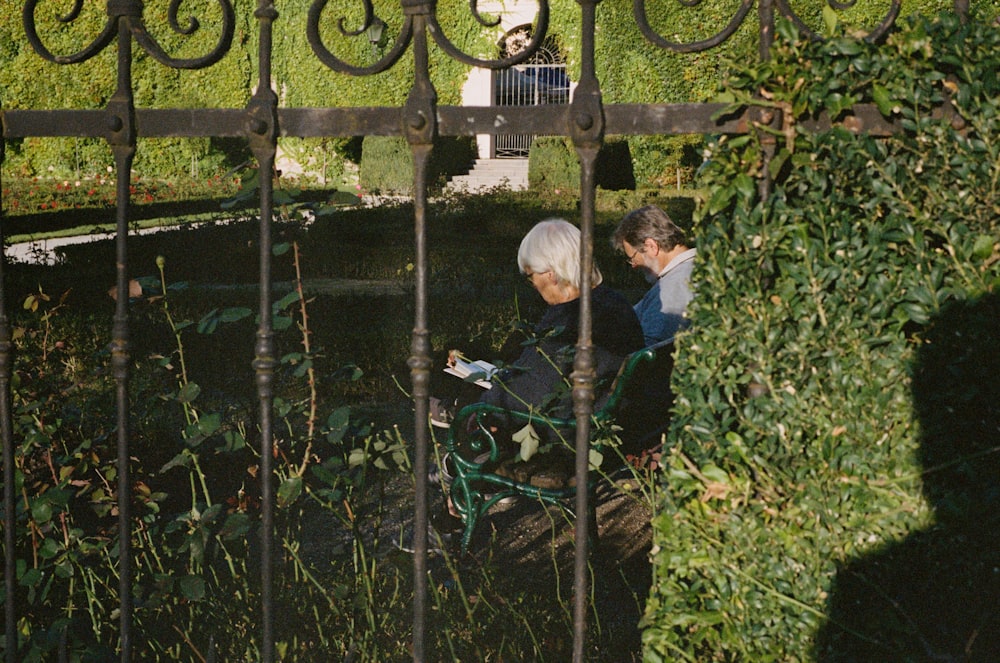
{"points": [[630, 69]]}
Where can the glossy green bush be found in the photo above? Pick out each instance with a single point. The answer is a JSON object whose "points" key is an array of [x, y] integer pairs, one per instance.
{"points": [[795, 446]]}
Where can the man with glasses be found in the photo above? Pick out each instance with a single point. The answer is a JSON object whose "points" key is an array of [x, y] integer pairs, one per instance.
{"points": [[653, 243]]}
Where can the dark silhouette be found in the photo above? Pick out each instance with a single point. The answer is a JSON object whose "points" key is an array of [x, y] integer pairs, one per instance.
{"points": [[935, 595]]}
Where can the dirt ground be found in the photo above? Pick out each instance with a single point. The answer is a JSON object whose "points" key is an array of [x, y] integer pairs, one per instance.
{"points": [[534, 547]]}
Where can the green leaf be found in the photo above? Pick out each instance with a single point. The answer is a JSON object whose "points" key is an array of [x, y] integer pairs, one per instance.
{"points": [[338, 423], [528, 439], [192, 587], [49, 548], [281, 322], [787, 31], [286, 301], [720, 199], [210, 423], [30, 578], [208, 322], [234, 440], [281, 249], [714, 473], [41, 510], [880, 94], [745, 185], [357, 457], [289, 491], [983, 247], [236, 525], [234, 313], [595, 458], [180, 460], [774, 167], [188, 393]]}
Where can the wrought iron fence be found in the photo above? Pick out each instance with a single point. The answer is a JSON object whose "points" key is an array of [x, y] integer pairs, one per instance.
{"points": [[585, 119], [528, 85]]}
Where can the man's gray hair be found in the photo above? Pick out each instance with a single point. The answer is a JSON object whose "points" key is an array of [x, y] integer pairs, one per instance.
{"points": [[648, 222]]}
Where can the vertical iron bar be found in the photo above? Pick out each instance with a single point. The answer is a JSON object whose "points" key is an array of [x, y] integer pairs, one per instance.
{"points": [[766, 17], [420, 364], [263, 135], [122, 137], [766, 9], [962, 9], [583, 403], [586, 128], [7, 435], [419, 128]]}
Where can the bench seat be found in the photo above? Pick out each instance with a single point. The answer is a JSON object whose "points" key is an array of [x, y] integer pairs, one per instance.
{"points": [[638, 402]]}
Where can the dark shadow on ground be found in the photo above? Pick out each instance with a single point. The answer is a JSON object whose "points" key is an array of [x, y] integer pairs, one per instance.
{"points": [[536, 546], [935, 596], [523, 557]]}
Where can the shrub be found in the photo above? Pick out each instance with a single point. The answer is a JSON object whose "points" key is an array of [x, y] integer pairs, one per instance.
{"points": [[387, 162], [795, 442], [613, 170], [552, 164]]}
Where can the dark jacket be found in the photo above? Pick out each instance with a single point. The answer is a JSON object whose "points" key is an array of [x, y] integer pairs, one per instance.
{"points": [[539, 377]]}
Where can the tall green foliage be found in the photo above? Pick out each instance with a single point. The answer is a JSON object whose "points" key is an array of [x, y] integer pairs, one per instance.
{"points": [[639, 72], [28, 81], [795, 447]]}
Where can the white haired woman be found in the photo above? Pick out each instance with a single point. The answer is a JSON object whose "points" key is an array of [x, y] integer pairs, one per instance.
{"points": [[549, 257]]}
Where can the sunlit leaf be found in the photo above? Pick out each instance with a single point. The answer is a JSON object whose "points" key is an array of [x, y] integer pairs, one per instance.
{"points": [[528, 439]]}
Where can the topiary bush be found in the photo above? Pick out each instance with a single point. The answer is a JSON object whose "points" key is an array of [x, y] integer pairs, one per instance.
{"points": [[613, 170], [387, 162], [552, 164], [795, 451]]}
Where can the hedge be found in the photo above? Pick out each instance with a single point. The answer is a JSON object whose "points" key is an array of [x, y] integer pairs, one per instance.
{"points": [[387, 163], [640, 74], [804, 444]]}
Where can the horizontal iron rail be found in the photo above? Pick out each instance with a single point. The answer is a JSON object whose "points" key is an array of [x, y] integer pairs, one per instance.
{"points": [[620, 119]]}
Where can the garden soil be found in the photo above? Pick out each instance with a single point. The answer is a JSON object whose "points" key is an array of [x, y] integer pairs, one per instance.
{"points": [[528, 548]]}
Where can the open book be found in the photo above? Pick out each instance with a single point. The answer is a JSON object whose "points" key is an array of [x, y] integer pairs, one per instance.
{"points": [[479, 371]]}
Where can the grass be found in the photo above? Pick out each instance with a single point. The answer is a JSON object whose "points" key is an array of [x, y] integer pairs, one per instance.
{"points": [[341, 587]]}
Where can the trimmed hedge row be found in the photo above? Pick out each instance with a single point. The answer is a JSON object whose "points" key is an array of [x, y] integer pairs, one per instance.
{"points": [[809, 421], [553, 164], [641, 73]]}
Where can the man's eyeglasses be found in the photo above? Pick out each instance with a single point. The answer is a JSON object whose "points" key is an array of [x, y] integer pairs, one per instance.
{"points": [[630, 259]]}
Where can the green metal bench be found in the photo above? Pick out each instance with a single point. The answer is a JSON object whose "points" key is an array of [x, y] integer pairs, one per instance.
{"points": [[639, 395]]}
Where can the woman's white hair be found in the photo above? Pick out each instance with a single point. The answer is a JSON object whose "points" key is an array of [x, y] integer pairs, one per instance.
{"points": [[554, 245]]}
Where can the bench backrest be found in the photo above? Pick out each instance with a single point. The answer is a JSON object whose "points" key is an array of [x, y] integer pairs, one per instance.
{"points": [[641, 373]]}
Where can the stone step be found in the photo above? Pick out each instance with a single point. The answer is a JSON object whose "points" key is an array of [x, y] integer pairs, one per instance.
{"points": [[493, 173]]}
